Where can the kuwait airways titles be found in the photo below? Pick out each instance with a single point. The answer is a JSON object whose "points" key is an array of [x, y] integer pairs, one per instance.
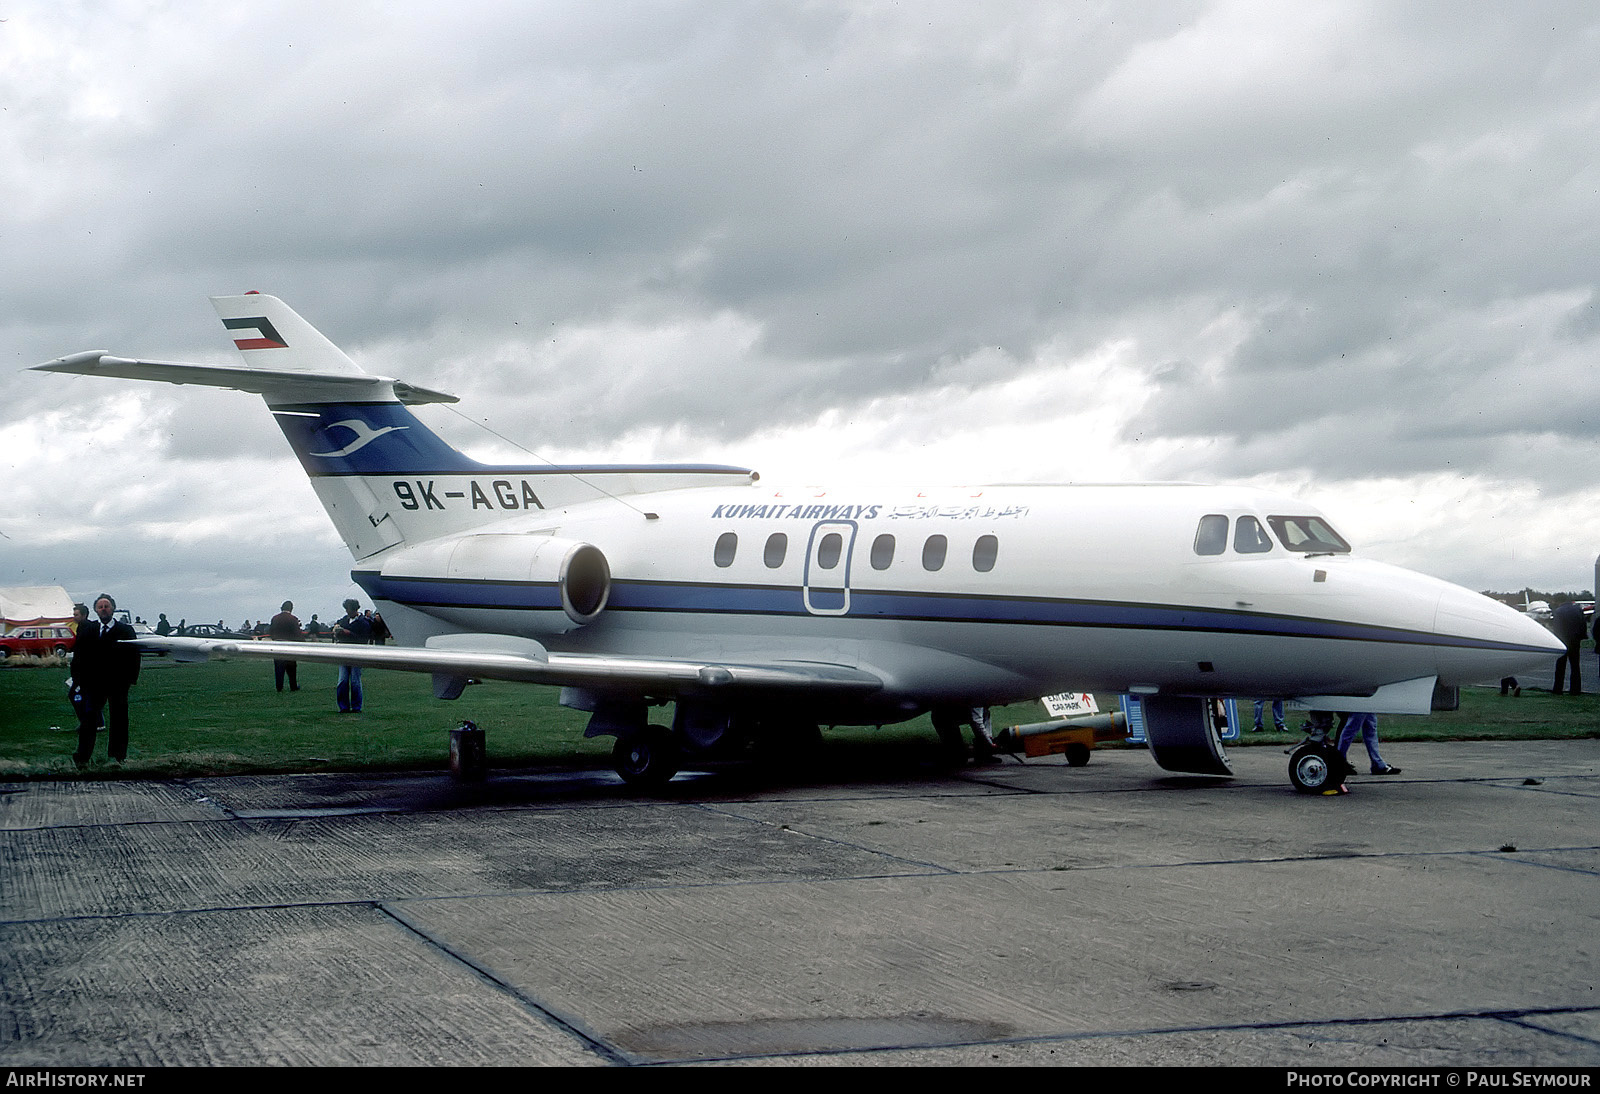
{"points": [[803, 511]]}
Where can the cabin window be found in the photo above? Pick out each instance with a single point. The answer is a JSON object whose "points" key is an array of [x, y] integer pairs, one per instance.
{"points": [[777, 547], [882, 552], [1249, 538], [984, 553], [1311, 535], [1211, 538], [727, 546], [828, 549], [933, 552]]}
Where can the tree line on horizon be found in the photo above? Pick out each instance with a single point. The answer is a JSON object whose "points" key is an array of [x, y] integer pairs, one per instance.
{"points": [[1555, 600]]}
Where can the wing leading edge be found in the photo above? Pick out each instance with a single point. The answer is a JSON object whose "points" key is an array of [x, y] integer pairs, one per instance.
{"points": [[499, 657]]}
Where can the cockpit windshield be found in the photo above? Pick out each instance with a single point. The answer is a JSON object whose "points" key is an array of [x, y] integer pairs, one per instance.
{"points": [[1308, 535]]}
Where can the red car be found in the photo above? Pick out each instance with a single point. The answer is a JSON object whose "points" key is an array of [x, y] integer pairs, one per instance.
{"points": [[36, 641]]}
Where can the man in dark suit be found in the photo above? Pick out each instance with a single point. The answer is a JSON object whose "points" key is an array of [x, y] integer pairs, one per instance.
{"points": [[105, 664], [1568, 624], [285, 627]]}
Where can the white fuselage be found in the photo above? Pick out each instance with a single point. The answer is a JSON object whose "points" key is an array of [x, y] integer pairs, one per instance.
{"points": [[1033, 590]]}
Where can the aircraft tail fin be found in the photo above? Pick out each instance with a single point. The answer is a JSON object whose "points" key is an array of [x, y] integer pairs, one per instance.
{"points": [[384, 477], [270, 335]]}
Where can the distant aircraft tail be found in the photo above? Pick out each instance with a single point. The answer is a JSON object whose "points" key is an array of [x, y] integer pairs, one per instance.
{"points": [[384, 477]]}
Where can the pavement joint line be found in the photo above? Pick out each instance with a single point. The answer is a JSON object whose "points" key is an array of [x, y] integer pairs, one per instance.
{"points": [[1510, 857], [1545, 790], [198, 797], [219, 909], [990, 781], [423, 898], [318, 812], [1351, 855], [1509, 1017], [875, 852], [928, 871], [563, 1022], [336, 812], [1567, 1034]]}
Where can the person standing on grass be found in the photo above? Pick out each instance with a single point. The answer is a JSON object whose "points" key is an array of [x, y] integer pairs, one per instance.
{"points": [[353, 630], [286, 628], [1567, 623], [105, 665]]}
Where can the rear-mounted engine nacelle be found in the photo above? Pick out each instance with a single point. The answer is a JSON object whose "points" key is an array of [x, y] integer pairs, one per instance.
{"points": [[583, 578], [552, 583]]}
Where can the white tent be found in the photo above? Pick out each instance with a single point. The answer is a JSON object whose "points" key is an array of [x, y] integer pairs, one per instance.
{"points": [[33, 606]]}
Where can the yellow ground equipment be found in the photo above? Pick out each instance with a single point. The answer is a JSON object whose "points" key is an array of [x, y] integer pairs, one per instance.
{"points": [[1076, 737]]}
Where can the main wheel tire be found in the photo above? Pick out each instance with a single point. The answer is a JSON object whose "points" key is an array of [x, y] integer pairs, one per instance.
{"points": [[1077, 754], [1315, 768], [648, 758]]}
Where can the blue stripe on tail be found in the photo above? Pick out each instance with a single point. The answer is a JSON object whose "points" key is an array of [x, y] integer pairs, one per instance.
{"points": [[367, 439], [386, 438]]}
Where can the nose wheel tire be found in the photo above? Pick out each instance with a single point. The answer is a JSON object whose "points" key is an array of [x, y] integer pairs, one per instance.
{"points": [[648, 758], [1314, 768]]}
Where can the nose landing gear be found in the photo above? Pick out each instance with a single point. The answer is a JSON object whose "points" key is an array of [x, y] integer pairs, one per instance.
{"points": [[1317, 766]]}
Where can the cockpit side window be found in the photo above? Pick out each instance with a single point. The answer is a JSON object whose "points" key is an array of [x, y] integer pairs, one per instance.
{"points": [[1211, 538], [1249, 538], [1308, 535]]}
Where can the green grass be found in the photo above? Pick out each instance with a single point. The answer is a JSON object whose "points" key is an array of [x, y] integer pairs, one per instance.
{"points": [[225, 718], [1484, 716]]}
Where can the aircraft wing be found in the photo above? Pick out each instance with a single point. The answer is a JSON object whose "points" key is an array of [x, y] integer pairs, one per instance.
{"points": [[453, 658]]}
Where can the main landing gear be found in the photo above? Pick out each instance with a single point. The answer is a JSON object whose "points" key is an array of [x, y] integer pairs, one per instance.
{"points": [[648, 757]]}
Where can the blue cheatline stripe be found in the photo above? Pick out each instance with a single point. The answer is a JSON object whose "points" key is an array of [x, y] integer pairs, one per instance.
{"points": [[446, 593], [781, 600]]}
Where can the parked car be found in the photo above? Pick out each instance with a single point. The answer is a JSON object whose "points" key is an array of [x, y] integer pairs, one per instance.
{"points": [[36, 641], [207, 630]]}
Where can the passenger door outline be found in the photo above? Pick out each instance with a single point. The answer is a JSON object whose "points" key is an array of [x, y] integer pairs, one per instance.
{"points": [[825, 590]]}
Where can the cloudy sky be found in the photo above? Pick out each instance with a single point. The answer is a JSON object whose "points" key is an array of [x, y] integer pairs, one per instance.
{"points": [[1346, 250]]}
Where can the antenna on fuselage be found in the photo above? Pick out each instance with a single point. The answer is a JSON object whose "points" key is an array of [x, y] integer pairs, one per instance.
{"points": [[524, 448]]}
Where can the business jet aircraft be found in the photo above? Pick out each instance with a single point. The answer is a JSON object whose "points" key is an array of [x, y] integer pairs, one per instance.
{"points": [[760, 612]]}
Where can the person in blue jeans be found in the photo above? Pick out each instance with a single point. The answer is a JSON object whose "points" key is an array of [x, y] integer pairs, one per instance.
{"points": [[354, 630], [1277, 716], [1367, 726]]}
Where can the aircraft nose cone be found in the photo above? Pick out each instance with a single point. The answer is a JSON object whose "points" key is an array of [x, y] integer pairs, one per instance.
{"points": [[1492, 641]]}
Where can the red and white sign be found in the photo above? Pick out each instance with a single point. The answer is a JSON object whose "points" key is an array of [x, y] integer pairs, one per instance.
{"points": [[1069, 705]]}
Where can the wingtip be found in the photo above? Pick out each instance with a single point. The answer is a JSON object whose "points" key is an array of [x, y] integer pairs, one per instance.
{"points": [[72, 362]]}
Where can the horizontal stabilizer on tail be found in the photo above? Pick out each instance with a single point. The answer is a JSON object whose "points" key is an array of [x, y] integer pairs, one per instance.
{"points": [[277, 385]]}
